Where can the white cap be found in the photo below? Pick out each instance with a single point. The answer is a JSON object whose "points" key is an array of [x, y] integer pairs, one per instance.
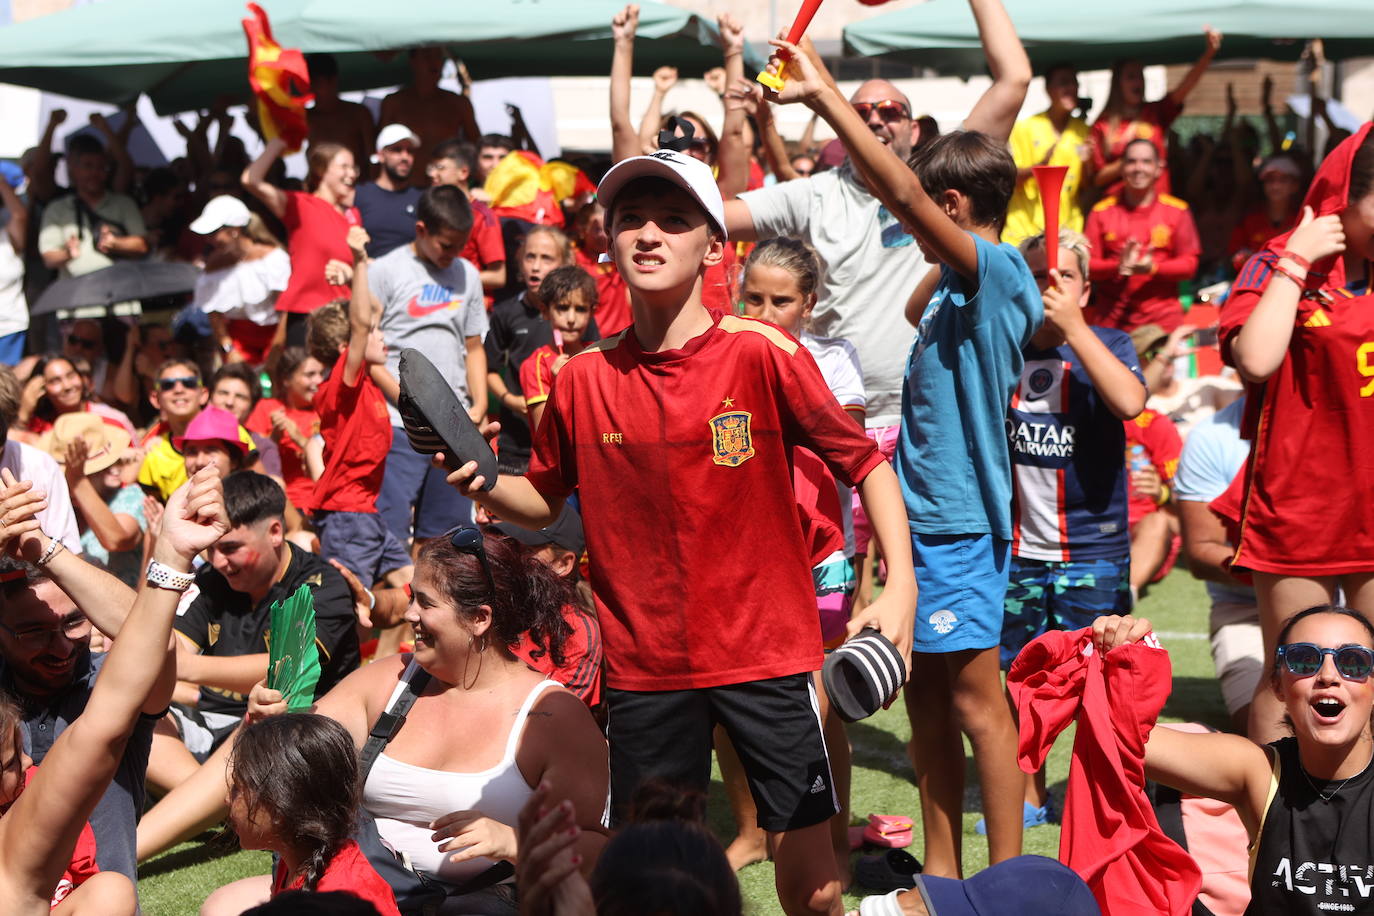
{"points": [[393, 134], [692, 175], [220, 212]]}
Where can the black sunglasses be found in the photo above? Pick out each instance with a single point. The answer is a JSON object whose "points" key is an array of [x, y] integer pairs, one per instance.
{"points": [[187, 381], [466, 539], [1303, 659], [888, 110], [87, 343]]}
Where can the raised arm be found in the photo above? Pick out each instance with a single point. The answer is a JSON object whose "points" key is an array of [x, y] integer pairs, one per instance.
{"points": [[624, 138], [116, 144], [995, 112], [732, 156], [18, 226], [43, 188], [360, 309], [887, 176], [665, 78], [38, 832], [255, 181], [1180, 93]]}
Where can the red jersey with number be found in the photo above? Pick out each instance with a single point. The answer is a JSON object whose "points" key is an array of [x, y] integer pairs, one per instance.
{"points": [[300, 488], [612, 295], [1304, 506], [1165, 228], [357, 438], [348, 871], [317, 233], [683, 460], [1160, 445], [1109, 143]]}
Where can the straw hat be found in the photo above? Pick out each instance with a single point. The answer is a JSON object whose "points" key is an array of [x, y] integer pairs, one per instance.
{"points": [[105, 443]]}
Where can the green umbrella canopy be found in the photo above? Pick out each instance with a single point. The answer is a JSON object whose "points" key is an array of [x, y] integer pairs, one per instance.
{"points": [[183, 55], [941, 34]]}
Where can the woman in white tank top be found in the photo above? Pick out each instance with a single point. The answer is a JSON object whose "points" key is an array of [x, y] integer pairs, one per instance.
{"points": [[485, 730]]}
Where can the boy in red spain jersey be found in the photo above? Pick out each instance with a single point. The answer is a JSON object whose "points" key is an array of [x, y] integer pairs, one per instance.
{"points": [[1143, 244], [1299, 327], [677, 433]]}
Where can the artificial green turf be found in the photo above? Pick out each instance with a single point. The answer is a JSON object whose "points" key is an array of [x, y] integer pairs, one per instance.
{"points": [[175, 883]]}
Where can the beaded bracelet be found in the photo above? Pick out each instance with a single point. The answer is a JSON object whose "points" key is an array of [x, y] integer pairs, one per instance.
{"points": [[54, 546]]}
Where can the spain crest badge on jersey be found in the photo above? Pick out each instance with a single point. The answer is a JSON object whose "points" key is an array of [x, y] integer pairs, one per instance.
{"points": [[732, 443]]}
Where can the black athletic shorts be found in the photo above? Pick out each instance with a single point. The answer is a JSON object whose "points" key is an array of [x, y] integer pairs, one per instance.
{"points": [[775, 727]]}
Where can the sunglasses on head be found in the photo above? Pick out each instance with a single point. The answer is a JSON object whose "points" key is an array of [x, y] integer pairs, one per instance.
{"points": [[186, 381], [468, 540], [888, 109], [1303, 659], [85, 342]]}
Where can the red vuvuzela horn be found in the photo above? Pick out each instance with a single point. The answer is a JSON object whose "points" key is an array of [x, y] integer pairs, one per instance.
{"points": [[1050, 178], [794, 35]]}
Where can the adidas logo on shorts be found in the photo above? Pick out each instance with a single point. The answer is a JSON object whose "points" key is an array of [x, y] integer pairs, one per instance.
{"points": [[818, 786]]}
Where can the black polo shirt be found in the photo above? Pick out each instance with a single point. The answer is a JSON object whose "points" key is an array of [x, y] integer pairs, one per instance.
{"points": [[225, 623]]}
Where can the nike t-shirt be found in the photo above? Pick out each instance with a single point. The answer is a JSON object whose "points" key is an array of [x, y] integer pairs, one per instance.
{"points": [[432, 310]]}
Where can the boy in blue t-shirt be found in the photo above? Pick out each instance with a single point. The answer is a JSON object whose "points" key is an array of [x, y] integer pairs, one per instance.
{"points": [[1071, 542], [973, 318]]}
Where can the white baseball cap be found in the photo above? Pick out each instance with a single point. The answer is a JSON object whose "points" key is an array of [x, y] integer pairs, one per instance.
{"points": [[221, 211], [692, 175], [393, 134]]}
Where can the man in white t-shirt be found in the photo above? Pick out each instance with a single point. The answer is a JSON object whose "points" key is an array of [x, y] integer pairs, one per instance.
{"points": [[432, 301], [871, 263], [25, 462]]}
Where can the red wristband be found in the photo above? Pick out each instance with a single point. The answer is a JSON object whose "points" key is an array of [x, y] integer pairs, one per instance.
{"points": [[1282, 271], [1296, 259]]}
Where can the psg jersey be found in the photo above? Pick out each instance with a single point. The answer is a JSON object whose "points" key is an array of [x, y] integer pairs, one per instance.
{"points": [[1068, 475]]}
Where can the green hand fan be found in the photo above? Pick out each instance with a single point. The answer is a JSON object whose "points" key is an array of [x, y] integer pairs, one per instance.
{"points": [[293, 662]]}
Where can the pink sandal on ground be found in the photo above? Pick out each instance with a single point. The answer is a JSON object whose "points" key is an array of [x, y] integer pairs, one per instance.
{"points": [[892, 831]]}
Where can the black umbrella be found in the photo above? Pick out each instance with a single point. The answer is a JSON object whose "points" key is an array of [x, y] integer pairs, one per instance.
{"points": [[121, 282]]}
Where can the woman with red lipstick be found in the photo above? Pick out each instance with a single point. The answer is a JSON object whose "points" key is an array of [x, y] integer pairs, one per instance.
{"points": [[1306, 799]]}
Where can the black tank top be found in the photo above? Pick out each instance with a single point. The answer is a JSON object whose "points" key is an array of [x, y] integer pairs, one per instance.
{"points": [[1315, 854]]}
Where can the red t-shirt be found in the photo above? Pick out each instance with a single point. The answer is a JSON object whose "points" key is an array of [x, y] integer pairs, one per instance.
{"points": [[1166, 228], [1254, 229], [1110, 834], [536, 374], [485, 245], [1162, 445], [1151, 124], [582, 656], [316, 234], [357, 438], [683, 460], [300, 488], [350, 872], [612, 295]]}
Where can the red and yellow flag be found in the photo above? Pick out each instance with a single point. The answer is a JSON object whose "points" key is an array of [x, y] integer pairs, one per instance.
{"points": [[280, 81], [524, 186]]}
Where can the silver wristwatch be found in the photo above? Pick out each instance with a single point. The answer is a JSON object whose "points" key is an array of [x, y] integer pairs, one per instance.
{"points": [[162, 576]]}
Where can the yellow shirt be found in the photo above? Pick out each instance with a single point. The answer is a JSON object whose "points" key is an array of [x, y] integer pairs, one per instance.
{"points": [[163, 467], [1031, 139]]}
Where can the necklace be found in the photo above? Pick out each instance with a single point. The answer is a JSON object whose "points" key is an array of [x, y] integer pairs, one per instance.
{"points": [[1320, 794]]}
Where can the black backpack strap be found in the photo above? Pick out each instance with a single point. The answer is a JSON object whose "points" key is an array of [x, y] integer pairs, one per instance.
{"points": [[389, 722]]}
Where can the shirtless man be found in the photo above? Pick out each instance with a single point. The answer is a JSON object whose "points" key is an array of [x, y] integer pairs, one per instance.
{"points": [[331, 119], [433, 113]]}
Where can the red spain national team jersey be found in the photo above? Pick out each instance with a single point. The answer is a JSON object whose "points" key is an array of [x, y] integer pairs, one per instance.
{"points": [[357, 438], [683, 462], [1305, 504], [1165, 227]]}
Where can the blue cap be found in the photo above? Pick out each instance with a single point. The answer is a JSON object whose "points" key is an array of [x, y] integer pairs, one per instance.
{"points": [[12, 174], [1025, 885]]}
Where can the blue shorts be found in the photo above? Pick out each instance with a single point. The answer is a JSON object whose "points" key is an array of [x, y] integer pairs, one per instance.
{"points": [[1050, 595], [416, 498], [12, 348], [362, 542], [962, 581]]}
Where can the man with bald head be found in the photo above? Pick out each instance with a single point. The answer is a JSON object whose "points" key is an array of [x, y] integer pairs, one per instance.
{"points": [[872, 264]]}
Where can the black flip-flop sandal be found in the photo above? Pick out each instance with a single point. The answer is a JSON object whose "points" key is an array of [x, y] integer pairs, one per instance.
{"points": [[894, 870], [863, 675], [436, 421]]}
